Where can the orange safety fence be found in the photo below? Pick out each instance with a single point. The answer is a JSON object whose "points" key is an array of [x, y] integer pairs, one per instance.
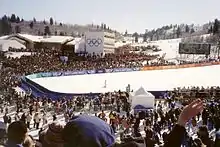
{"points": [[179, 66]]}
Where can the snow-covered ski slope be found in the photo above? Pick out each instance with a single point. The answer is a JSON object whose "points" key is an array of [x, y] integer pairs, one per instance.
{"points": [[152, 80]]}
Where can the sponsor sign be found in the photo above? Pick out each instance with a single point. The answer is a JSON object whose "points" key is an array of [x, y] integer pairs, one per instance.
{"points": [[108, 70], [122, 70], [57, 74], [100, 71], [46, 74], [68, 73], [90, 72]]}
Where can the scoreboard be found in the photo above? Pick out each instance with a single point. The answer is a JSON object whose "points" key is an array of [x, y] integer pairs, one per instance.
{"points": [[194, 48]]}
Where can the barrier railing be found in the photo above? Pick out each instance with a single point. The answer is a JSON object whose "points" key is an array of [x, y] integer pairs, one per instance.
{"points": [[114, 70], [83, 72], [178, 66]]}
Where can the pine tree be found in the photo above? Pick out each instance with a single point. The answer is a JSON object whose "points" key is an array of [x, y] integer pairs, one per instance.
{"points": [[13, 18], [31, 25], [216, 27], [210, 29], [17, 20], [51, 21], [17, 29], [61, 34], [104, 26], [178, 32], [187, 29], [126, 32], [47, 30], [192, 31], [34, 20]]}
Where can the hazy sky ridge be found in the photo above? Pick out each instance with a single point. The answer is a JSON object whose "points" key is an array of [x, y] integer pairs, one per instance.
{"points": [[133, 15]]}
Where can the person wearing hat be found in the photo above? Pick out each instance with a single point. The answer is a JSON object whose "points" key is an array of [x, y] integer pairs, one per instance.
{"points": [[16, 133], [88, 131], [52, 136]]}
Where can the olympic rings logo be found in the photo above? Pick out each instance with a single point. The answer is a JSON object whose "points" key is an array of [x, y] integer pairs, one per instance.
{"points": [[94, 42]]}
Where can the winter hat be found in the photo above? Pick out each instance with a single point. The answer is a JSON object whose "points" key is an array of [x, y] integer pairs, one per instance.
{"points": [[88, 131], [53, 135]]}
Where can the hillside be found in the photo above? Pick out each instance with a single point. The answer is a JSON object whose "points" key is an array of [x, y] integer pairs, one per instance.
{"points": [[13, 24]]}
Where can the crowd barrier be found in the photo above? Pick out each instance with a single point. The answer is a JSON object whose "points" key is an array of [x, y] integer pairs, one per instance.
{"points": [[178, 66], [40, 91], [114, 70]]}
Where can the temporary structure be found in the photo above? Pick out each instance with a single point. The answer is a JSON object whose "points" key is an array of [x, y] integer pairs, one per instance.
{"points": [[142, 99]]}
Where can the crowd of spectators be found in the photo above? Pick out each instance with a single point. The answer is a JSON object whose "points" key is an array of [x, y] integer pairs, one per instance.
{"points": [[34, 113]]}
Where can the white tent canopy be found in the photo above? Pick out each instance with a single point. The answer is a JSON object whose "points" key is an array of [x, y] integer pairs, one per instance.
{"points": [[142, 99]]}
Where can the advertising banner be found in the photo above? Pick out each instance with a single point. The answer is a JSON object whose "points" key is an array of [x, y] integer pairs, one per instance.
{"points": [[122, 69], [98, 71], [108, 70], [46, 74], [78, 72], [57, 74], [90, 71], [68, 73], [33, 76]]}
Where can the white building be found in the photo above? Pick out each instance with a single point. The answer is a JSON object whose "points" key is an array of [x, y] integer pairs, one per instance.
{"points": [[5, 45], [99, 42]]}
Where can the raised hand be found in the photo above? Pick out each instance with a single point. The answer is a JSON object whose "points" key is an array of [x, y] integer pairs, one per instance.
{"points": [[190, 111]]}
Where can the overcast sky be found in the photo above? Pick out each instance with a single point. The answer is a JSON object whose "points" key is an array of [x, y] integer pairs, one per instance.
{"points": [[133, 15]]}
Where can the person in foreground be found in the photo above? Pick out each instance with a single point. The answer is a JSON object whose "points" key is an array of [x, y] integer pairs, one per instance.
{"points": [[17, 132], [176, 136], [90, 131]]}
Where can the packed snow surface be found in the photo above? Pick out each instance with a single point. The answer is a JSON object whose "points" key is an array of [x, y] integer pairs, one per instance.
{"points": [[152, 80]]}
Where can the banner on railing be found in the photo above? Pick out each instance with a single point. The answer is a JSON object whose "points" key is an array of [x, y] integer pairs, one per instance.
{"points": [[98, 71], [57, 74], [122, 69], [45, 74], [72, 73], [90, 71], [108, 70]]}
